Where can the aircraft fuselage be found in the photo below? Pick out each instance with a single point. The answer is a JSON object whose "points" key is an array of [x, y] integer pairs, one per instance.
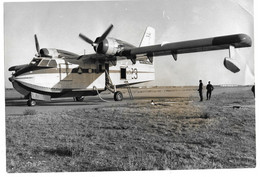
{"points": [[56, 77]]}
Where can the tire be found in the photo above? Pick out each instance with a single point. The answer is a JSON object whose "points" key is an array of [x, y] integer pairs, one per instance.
{"points": [[31, 102], [79, 98], [118, 96]]}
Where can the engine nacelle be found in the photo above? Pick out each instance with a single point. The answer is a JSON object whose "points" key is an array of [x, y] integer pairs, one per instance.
{"points": [[49, 52], [109, 46], [231, 64], [112, 46]]}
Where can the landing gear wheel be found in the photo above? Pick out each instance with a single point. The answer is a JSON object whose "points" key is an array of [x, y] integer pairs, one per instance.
{"points": [[31, 102], [118, 96], [79, 98]]}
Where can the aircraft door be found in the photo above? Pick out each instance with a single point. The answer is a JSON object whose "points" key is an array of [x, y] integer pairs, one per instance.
{"points": [[127, 73], [123, 73]]}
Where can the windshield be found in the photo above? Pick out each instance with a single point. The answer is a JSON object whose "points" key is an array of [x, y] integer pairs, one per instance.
{"points": [[35, 61], [44, 62]]}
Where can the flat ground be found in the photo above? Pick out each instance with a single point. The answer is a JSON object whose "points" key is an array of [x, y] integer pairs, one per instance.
{"points": [[178, 132]]}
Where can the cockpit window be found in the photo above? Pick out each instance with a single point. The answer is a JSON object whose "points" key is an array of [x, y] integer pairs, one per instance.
{"points": [[53, 64], [35, 61], [44, 62]]}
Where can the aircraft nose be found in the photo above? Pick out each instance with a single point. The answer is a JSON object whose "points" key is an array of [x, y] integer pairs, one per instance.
{"points": [[11, 79]]}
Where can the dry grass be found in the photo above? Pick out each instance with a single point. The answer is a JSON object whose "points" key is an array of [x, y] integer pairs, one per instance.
{"points": [[174, 134], [29, 112]]}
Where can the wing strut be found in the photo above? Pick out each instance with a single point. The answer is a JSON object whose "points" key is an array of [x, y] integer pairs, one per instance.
{"points": [[133, 59], [231, 51], [109, 85], [150, 57]]}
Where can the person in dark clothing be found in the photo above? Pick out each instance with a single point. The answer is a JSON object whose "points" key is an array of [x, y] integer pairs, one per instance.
{"points": [[200, 90], [209, 88], [253, 89]]}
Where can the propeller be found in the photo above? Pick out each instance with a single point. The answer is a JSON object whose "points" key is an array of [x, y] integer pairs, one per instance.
{"points": [[37, 44], [99, 39]]}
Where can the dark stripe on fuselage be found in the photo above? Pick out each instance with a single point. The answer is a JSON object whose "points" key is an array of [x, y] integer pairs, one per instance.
{"points": [[76, 70], [41, 70]]}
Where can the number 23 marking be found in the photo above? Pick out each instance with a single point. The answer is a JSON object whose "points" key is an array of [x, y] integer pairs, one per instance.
{"points": [[134, 73]]}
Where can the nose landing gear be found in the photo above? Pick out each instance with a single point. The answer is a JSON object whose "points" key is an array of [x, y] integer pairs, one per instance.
{"points": [[31, 102], [79, 98]]}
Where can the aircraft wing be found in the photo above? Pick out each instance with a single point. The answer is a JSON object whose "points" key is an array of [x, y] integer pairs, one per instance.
{"points": [[99, 57], [92, 56], [214, 43], [199, 45]]}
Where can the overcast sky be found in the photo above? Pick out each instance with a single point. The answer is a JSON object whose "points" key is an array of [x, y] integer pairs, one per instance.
{"points": [[58, 24]]}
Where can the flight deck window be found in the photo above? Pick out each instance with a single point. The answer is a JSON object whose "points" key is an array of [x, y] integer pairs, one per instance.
{"points": [[44, 63], [35, 61], [123, 73], [53, 64]]}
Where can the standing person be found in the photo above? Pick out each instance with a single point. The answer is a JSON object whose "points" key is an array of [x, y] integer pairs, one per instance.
{"points": [[253, 89], [200, 90], [209, 88]]}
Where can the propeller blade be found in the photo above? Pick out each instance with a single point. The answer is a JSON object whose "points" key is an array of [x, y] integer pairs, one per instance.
{"points": [[98, 39], [104, 35], [37, 44], [86, 39]]}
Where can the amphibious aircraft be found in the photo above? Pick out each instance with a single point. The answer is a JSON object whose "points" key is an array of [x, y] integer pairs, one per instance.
{"points": [[55, 73]]}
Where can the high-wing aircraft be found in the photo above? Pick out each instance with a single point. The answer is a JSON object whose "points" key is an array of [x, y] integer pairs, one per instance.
{"points": [[54, 73]]}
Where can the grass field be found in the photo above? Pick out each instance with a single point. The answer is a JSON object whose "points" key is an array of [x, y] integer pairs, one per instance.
{"points": [[176, 133]]}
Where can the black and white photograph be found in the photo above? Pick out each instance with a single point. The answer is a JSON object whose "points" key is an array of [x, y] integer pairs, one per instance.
{"points": [[129, 86]]}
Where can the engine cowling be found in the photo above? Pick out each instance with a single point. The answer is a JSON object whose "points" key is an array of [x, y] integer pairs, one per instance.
{"points": [[109, 46], [49, 52]]}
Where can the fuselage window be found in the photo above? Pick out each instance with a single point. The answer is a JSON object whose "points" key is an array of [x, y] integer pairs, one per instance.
{"points": [[79, 70]]}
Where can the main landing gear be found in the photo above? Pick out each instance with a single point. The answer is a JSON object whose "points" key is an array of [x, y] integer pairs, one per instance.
{"points": [[118, 96]]}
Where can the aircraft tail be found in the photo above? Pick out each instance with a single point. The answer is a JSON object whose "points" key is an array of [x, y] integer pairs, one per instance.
{"points": [[148, 37]]}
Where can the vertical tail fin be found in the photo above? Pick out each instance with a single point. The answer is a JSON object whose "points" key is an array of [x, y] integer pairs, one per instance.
{"points": [[148, 37]]}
